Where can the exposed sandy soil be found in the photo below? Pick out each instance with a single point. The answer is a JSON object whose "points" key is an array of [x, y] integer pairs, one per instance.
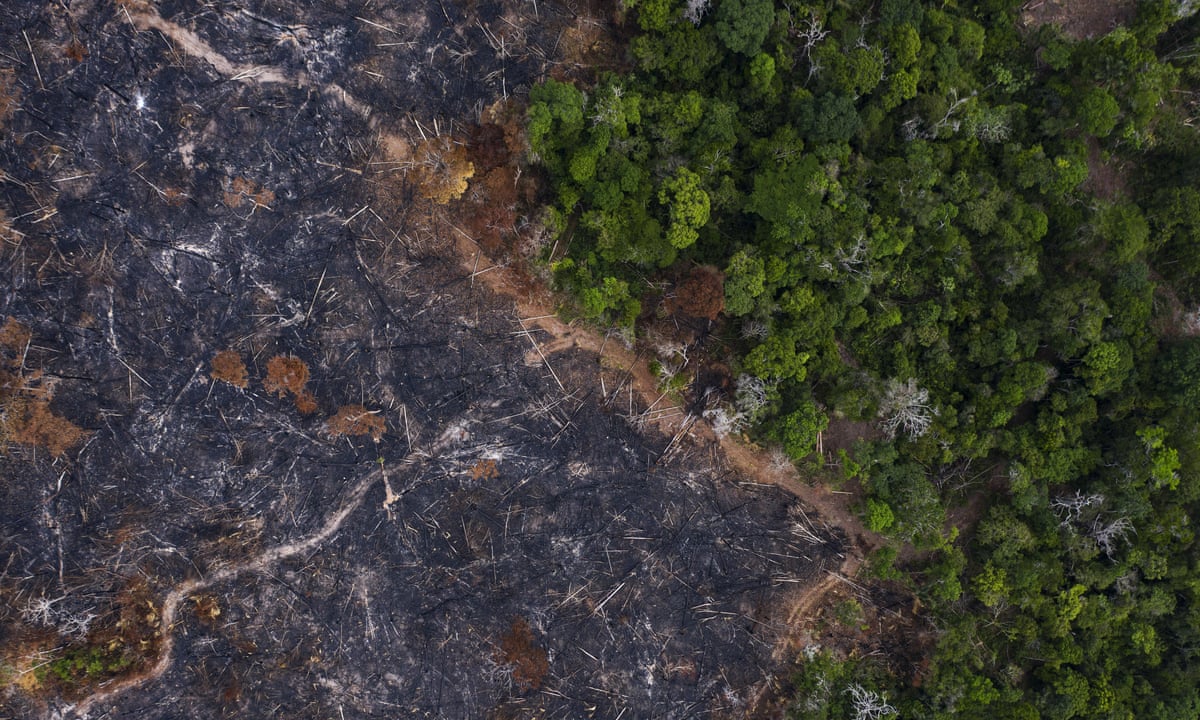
{"points": [[1107, 179], [1079, 19]]}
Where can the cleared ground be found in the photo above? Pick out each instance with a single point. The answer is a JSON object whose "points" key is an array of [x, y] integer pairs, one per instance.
{"points": [[398, 510]]}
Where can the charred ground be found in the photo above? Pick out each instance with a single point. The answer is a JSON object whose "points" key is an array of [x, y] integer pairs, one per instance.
{"points": [[182, 186]]}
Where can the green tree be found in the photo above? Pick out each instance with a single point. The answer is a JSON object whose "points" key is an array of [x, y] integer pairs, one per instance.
{"points": [[990, 585], [879, 515], [555, 121], [797, 431], [1125, 230], [1106, 366], [743, 24], [1098, 112], [688, 207], [778, 357], [745, 280]]}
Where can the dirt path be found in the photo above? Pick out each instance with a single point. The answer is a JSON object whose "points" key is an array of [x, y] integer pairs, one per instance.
{"points": [[169, 611], [535, 309]]}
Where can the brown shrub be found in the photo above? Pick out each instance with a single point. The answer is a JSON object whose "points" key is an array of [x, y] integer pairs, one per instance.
{"points": [[441, 169], [173, 196], [491, 214], [286, 374], [239, 190], [289, 374], [529, 661], [484, 470], [488, 148], [207, 609], [305, 403], [702, 293], [227, 366], [356, 420], [31, 422], [15, 338], [7, 235], [25, 414], [76, 50]]}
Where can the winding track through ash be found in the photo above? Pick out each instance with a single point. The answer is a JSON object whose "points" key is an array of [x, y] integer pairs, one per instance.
{"points": [[540, 312], [188, 588]]}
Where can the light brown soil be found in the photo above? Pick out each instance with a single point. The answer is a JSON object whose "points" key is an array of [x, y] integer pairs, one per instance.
{"points": [[1078, 19], [623, 370], [1106, 177]]}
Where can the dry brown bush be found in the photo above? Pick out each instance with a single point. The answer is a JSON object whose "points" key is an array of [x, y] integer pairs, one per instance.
{"points": [[25, 414], [238, 190], [529, 661], [76, 50], [289, 374], [15, 337], [441, 169], [36, 425], [702, 293], [356, 420], [484, 470], [489, 150], [227, 366], [6, 231], [490, 214], [305, 402], [286, 374]]}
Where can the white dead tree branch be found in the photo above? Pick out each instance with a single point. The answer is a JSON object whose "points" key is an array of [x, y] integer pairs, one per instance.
{"points": [[44, 612], [749, 400], [724, 422], [868, 704], [1069, 507], [809, 31], [695, 10], [915, 127], [751, 396], [906, 408], [1108, 533], [755, 330]]}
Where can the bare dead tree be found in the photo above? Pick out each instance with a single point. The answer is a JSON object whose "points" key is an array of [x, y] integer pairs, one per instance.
{"points": [[810, 32], [916, 127], [1069, 507], [1108, 533], [906, 408], [724, 421], [695, 10], [750, 397], [854, 258], [868, 704], [755, 330], [47, 613]]}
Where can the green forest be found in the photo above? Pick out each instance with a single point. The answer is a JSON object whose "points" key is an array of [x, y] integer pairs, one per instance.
{"points": [[978, 234]]}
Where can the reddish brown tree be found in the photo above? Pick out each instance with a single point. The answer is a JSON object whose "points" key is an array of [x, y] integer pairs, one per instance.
{"points": [[702, 293]]}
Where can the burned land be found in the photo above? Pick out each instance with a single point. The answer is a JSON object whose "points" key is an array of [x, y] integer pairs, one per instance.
{"points": [[269, 451]]}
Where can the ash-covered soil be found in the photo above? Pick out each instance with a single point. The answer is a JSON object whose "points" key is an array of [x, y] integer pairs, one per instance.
{"points": [[184, 179]]}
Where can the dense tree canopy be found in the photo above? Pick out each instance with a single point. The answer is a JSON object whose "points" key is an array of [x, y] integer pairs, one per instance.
{"points": [[985, 239]]}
